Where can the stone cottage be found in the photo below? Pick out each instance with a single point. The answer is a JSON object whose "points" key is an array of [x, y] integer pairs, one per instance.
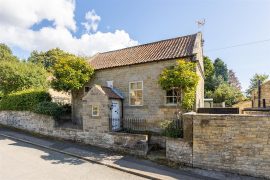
{"points": [[125, 84]]}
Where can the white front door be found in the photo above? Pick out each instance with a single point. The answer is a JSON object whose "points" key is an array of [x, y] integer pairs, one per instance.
{"points": [[116, 115]]}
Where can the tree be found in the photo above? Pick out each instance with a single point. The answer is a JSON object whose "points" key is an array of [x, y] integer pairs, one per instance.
{"points": [[70, 72], [209, 71], [183, 79], [47, 59], [228, 94], [6, 53], [15, 76], [221, 69], [254, 82], [37, 57], [233, 80]]}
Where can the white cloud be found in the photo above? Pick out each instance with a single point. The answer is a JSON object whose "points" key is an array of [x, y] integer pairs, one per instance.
{"points": [[17, 17], [26, 13], [92, 20]]}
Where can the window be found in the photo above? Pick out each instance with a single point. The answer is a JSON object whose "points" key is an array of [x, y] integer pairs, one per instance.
{"points": [[110, 84], [136, 93], [95, 110], [171, 97], [86, 89]]}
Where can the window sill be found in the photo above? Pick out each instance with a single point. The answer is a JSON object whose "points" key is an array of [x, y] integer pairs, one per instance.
{"points": [[140, 107], [168, 106]]}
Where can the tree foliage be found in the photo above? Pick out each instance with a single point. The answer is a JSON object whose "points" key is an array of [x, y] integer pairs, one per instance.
{"points": [[183, 79], [6, 54], [233, 80], [221, 84], [70, 72], [16, 76], [254, 82], [228, 94], [47, 59], [221, 69], [209, 71]]}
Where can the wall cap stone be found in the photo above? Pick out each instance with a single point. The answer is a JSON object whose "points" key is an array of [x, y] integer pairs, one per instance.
{"points": [[226, 115]]}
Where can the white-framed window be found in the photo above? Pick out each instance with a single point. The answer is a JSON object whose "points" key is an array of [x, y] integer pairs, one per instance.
{"points": [[171, 97], [86, 89], [95, 110], [136, 93]]}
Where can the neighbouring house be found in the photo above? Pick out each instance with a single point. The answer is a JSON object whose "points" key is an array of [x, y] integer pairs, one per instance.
{"points": [[125, 84], [261, 96]]}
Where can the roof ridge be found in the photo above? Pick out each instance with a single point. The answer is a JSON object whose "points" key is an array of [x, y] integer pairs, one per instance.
{"points": [[147, 43]]}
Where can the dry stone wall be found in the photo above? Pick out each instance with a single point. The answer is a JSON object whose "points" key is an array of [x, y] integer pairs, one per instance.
{"points": [[234, 143], [179, 150], [130, 143]]}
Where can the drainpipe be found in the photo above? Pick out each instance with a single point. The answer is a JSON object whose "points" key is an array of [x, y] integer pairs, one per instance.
{"points": [[259, 93]]}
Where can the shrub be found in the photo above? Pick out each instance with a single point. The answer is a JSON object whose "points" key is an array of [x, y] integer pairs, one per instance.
{"points": [[24, 100], [66, 108], [170, 129], [49, 108]]}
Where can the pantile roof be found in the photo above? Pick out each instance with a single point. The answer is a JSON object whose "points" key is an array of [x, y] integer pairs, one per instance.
{"points": [[155, 51]]}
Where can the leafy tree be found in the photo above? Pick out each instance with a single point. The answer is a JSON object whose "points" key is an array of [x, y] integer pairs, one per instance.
{"points": [[221, 69], [254, 82], [47, 59], [70, 72], [233, 80], [209, 71], [6, 53], [228, 94], [36, 57], [183, 79], [15, 76]]}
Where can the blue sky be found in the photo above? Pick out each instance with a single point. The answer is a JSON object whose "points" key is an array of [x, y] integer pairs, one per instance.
{"points": [[124, 23]]}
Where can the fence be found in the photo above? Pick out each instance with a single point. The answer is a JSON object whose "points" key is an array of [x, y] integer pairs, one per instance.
{"points": [[128, 124], [135, 125], [138, 125]]}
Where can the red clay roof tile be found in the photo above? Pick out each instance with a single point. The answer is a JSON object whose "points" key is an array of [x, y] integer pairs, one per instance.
{"points": [[155, 51]]}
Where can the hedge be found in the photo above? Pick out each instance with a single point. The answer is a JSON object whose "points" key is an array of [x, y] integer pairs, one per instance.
{"points": [[49, 108], [25, 100]]}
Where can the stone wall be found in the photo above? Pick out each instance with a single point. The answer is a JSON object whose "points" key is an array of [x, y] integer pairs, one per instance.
{"points": [[179, 150], [27, 121], [234, 143], [45, 125]]}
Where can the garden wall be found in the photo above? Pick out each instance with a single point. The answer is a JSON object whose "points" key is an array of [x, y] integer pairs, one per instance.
{"points": [[179, 150], [234, 143], [131, 143]]}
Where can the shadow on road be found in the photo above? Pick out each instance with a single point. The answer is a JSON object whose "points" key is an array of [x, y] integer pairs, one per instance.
{"points": [[52, 156]]}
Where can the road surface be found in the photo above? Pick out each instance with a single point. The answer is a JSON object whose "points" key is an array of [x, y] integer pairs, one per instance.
{"points": [[26, 162]]}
